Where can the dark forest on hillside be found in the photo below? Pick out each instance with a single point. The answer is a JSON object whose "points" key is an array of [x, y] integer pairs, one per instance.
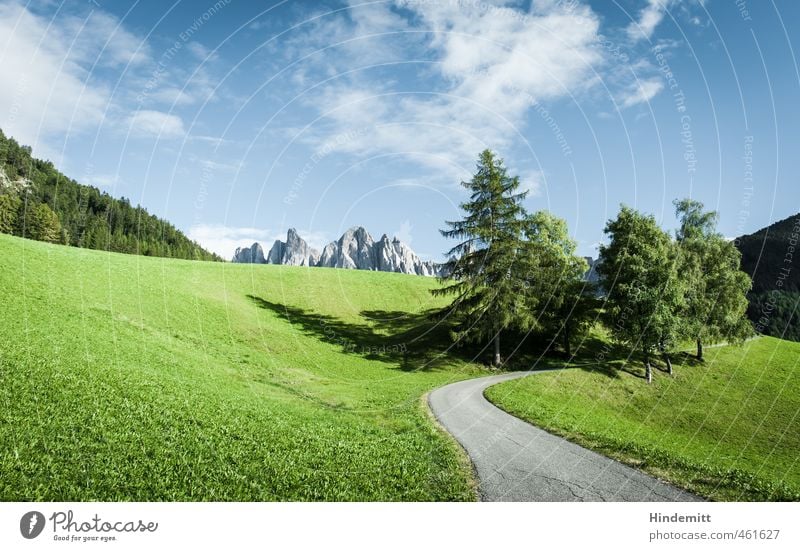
{"points": [[39, 202], [768, 255]]}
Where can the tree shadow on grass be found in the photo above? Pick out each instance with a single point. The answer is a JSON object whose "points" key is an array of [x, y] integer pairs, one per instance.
{"points": [[418, 342], [409, 341], [607, 358]]}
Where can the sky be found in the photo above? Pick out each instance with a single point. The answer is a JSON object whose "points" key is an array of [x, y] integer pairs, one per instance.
{"points": [[236, 120]]}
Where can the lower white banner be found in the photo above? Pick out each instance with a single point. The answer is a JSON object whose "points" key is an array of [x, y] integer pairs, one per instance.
{"points": [[377, 526]]}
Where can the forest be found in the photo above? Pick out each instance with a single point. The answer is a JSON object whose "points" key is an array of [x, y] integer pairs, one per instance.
{"points": [[39, 202], [768, 255]]}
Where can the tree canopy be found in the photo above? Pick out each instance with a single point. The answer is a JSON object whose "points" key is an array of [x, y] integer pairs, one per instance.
{"points": [[638, 268]]}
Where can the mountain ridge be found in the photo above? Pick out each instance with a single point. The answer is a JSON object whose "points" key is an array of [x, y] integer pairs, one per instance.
{"points": [[354, 250]]}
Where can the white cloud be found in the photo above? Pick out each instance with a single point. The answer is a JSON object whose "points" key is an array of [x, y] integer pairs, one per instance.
{"points": [[224, 240], [530, 181], [200, 52], [649, 18], [148, 123], [101, 180], [491, 65], [641, 91], [46, 88], [172, 95], [404, 233]]}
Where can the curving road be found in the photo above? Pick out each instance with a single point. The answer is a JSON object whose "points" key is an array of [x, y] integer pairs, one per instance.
{"points": [[516, 461]]}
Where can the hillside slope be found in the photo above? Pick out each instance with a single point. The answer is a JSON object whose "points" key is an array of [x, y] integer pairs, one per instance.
{"points": [[770, 256], [39, 202], [727, 428], [133, 378]]}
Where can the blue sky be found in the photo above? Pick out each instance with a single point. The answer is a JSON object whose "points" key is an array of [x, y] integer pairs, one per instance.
{"points": [[236, 120]]}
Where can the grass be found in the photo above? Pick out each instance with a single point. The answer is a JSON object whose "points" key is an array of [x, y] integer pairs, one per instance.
{"points": [[726, 429], [135, 378]]}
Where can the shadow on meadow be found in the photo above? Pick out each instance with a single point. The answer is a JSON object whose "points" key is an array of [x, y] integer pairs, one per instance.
{"points": [[417, 341], [409, 341], [592, 354]]}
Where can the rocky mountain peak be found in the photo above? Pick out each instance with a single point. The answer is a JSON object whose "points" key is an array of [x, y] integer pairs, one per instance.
{"points": [[355, 250], [253, 254]]}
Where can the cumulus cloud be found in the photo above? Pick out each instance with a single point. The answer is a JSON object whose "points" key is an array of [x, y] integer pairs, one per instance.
{"points": [[491, 65], [46, 88], [530, 181], [156, 124]]}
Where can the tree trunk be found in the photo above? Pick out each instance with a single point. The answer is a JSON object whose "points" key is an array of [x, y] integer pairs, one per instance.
{"points": [[567, 348], [648, 370], [699, 350], [669, 363], [497, 360]]}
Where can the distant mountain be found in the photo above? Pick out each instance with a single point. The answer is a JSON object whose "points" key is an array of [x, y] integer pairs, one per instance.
{"points": [[771, 256], [355, 250], [39, 202]]}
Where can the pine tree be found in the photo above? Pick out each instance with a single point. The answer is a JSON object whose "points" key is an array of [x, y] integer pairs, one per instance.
{"points": [[43, 224], [9, 207], [484, 272]]}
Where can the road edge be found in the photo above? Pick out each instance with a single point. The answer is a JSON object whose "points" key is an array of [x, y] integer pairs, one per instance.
{"points": [[464, 460]]}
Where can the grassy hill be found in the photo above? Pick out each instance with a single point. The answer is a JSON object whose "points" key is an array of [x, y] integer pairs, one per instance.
{"points": [[728, 429], [135, 378]]}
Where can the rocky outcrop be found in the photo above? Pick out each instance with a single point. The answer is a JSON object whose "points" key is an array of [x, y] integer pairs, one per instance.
{"points": [[591, 274], [354, 250], [253, 254], [293, 252]]}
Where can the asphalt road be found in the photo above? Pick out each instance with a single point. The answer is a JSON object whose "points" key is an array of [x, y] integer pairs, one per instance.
{"points": [[516, 461]]}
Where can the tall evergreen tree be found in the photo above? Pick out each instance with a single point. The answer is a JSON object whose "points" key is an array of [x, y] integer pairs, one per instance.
{"points": [[638, 270], [42, 224], [715, 290], [484, 272], [9, 207]]}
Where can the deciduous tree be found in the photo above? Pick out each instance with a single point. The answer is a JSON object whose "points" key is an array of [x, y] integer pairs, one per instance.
{"points": [[715, 289], [638, 270]]}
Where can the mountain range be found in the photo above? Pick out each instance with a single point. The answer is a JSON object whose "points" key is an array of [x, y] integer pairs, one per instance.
{"points": [[355, 250]]}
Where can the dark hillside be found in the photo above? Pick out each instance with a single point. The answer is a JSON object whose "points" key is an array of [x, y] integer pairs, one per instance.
{"points": [[770, 257]]}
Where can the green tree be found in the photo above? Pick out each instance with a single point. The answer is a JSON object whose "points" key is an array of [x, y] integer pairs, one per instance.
{"points": [[9, 207], [484, 272], [43, 225], [638, 270], [557, 299], [715, 289]]}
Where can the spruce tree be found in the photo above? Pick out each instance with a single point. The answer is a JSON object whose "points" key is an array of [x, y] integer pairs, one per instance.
{"points": [[484, 271]]}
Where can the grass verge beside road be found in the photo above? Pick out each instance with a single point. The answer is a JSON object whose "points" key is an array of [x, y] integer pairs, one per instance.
{"points": [[726, 429]]}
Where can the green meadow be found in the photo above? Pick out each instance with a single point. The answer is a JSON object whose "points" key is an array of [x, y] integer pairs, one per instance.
{"points": [[727, 429], [135, 378]]}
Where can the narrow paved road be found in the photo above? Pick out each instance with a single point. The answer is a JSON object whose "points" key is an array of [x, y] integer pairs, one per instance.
{"points": [[516, 461]]}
